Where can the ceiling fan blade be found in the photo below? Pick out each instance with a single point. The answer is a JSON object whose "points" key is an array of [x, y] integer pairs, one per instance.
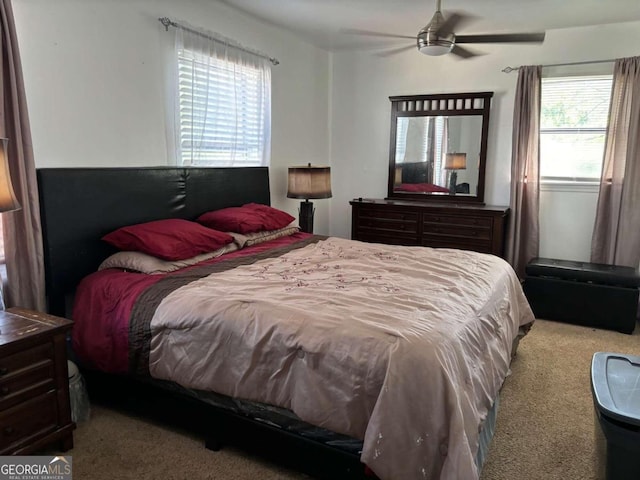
{"points": [[388, 53], [355, 31], [463, 52], [502, 38]]}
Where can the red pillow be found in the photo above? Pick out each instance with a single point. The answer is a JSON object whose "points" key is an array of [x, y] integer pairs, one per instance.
{"points": [[171, 239], [249, 218]]}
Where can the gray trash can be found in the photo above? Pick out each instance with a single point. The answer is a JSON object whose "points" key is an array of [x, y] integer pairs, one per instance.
{"points": [[615, 384], [80, 407]]}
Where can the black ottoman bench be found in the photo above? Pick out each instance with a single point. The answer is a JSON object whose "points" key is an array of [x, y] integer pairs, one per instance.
{"points": [[591, 294]]}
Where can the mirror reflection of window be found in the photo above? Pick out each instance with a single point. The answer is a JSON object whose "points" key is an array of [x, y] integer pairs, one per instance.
{"points": [[442, 133], [422, 144]]}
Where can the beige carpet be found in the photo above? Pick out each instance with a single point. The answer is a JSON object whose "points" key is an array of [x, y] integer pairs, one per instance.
{"points": [[545, 423]]}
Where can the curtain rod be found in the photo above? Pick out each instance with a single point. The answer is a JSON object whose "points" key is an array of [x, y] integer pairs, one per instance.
{"points": [[167, 22], [511, 69]]}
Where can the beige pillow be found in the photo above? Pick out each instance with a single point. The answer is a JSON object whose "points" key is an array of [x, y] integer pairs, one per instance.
{"points": [[143, 263], [250, 239]]}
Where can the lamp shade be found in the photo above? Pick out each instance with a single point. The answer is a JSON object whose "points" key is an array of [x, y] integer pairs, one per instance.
{"points": [[8, 199], [309, 182], [455, 161]]}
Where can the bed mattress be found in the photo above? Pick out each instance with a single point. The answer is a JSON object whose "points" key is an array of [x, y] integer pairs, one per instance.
{"points": [[403, 348]]}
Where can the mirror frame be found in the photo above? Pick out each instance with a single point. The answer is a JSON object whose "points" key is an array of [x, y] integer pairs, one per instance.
{"points": [[446, 104]]}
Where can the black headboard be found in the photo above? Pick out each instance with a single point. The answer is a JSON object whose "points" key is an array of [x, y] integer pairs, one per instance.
{"points": [[80, 205]]}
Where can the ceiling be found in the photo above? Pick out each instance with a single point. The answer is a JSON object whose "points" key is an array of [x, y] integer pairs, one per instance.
{"points": [[319, 21]]}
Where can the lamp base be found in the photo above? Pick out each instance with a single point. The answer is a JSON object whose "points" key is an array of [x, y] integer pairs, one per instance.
{"points": [[453, 181], [306, 216]]}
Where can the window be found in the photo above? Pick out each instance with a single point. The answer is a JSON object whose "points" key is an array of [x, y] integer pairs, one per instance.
{"points": [[224, 109], [431, 133], [573, 125]]}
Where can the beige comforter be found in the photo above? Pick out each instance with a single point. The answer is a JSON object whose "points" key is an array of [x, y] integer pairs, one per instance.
{"points": [[403, 347]]}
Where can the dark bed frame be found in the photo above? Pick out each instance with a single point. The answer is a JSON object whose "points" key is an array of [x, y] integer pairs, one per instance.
{"points": [[80, 205]]}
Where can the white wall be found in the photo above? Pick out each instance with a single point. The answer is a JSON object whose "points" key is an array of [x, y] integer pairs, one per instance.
{"points": [[360, 117], [96, 91], [95, 76]]}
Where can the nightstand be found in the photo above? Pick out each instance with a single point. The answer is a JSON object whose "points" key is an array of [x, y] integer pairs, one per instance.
{"points": [[34, 386]]}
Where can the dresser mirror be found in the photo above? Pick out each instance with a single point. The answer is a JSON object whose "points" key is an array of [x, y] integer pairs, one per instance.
{"points": [[438, 147]]}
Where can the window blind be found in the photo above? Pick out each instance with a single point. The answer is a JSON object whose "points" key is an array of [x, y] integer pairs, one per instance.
{"points": [[224, 111], [573, 125]]}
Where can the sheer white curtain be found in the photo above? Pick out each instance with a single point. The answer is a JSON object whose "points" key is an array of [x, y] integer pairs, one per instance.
{"points": [[616, 234], [439, 176], [223, 103]]}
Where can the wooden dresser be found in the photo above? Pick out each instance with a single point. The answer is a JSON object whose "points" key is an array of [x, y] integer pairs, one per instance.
{"points": [[465, 226], [34, 386]]}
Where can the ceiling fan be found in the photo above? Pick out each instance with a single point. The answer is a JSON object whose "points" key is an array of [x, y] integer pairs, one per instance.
{"points": [[437, 37]]}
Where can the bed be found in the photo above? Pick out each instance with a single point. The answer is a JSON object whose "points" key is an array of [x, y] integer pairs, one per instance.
{"points": [[420, 187], [276, 343]]}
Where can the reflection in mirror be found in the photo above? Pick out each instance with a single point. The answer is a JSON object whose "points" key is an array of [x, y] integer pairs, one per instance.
{"points": [[438, 146], [438, 154]]}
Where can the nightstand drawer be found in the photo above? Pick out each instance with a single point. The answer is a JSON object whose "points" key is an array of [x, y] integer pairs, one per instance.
{"points": [[26, 383], [13, 363], [32, 418], [34, 388]]}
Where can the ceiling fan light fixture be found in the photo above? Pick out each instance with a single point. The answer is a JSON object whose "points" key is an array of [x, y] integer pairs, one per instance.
{"points": [[434, 49], [433, 45]]}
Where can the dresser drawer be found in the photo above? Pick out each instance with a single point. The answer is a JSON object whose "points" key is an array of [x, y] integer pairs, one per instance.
{"points": [[10, 364], [482, 222], [26, 383], [453, 242], [388, 225], [32, 418], [477, 233], [382, 225], [388, 238], [388, 215], [458, 225]]}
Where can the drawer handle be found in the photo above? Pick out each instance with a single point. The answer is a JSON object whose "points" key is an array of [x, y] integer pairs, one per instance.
{"points": [[401, 227], [4, 370], [9, 431], [4, 390]]}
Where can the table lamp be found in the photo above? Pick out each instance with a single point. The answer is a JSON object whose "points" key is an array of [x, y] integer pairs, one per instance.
{"points": [[454, 162], [308, 182], [8, 201]]}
